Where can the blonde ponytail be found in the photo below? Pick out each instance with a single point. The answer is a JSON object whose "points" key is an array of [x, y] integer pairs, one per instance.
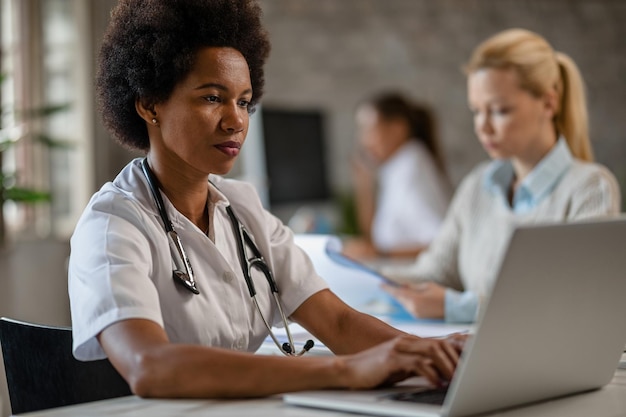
{"points": [[572, 120], [541, 70]]}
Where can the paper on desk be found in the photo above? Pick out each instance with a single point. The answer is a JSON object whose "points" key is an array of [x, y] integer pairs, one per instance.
{"points": [[356, 284], [422, 328]]}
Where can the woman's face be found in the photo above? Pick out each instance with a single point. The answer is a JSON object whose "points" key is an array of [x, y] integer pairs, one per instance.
{"points": [[508, 120], [379, 137], [205, 120]]}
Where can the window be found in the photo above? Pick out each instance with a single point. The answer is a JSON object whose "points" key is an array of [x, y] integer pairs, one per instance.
{"points": [[46, 58], [8, 52], [66, 80]]}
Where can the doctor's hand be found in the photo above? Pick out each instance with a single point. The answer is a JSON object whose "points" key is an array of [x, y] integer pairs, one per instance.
{"points": [[423, 300], [401, 358]]}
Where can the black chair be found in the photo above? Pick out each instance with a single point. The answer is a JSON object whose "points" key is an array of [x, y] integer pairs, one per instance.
{"points": [[42, 373]]}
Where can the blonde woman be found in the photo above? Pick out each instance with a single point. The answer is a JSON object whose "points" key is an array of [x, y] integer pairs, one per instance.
{"points": [[530, 116]]}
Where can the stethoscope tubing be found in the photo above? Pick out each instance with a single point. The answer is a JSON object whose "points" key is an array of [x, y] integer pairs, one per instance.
{"points": [[183, 273], [156, 194]]}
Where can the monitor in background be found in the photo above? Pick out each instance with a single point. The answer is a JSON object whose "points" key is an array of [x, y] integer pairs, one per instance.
{"points": [[295, 155]]}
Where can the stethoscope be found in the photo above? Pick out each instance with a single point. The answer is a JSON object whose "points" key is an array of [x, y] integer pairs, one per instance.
{"points": [[183, 273]]}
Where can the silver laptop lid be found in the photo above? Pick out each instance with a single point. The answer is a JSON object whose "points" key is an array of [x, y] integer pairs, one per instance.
{"points": [[554, 324]]}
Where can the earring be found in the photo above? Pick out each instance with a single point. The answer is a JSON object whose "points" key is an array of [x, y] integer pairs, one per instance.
{"points": [[154, 121]]}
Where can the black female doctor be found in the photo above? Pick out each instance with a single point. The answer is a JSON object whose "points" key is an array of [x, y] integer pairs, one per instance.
{"points": [[157, 274]]}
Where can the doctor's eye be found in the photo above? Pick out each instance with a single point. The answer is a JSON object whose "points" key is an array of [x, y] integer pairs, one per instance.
{"points": [[212, 99]]}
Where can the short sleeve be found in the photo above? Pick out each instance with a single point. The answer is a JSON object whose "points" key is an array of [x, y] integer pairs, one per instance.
{"points": [[109, 271], [296, 275]]}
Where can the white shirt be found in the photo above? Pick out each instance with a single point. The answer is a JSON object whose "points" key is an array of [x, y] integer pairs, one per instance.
{"points": [[121, 268], [412, 199]]}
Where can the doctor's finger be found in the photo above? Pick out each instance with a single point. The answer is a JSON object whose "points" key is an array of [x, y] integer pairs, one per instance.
{"points": [[428, 371], [443, 355], [457, 340]]}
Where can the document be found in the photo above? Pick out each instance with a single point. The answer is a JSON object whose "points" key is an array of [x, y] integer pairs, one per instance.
{"points": [[356, 284]]}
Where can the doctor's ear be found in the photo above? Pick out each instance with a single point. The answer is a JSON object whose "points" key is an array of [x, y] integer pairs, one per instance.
{"points": [[146, 111]]}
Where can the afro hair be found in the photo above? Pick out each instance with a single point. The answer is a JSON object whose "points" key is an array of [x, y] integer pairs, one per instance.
{"points": [[151, 45]]}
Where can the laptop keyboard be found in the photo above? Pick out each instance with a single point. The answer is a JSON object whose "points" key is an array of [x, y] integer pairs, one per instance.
{"points": [[433, 396]]}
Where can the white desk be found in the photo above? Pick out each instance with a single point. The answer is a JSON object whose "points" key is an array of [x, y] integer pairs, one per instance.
{"points": [[609, 401]]}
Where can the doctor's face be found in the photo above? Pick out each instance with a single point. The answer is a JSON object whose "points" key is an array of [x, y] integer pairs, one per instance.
{"points": [[205, 120], [509, 121]]}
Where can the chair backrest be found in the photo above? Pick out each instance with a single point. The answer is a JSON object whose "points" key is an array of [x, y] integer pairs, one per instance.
{"points": [[42, 373]]}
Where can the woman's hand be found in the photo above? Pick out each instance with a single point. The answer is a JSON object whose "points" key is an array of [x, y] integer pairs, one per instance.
{"points": [[401, 358], [424, 300], [359, 248], [363, 173]]}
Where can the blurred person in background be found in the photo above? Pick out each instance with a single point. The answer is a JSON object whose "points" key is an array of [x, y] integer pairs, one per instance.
{"points": [[401, 189]]}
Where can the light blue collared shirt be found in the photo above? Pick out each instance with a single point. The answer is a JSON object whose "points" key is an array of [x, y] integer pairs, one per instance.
{"points": [[538, 184]]}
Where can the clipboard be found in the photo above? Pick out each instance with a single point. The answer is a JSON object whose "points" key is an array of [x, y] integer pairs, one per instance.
{"points": [[358, 285]]}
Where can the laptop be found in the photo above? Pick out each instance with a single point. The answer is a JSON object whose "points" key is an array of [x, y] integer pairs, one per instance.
{"points": [[553, 326]]}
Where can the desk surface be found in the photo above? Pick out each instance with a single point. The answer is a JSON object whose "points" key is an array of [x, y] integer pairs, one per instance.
{"points": [[609, 401]]}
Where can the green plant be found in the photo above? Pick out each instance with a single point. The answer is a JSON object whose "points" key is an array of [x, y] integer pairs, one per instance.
{"points": [[347, 214], [10, 187]]}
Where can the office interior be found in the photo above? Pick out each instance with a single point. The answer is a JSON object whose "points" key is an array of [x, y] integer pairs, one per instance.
{"points": [[326, 56]]}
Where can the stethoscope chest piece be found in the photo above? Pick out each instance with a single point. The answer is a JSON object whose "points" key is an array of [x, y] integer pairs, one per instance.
{"points": [[182, 278], [183, 273]]}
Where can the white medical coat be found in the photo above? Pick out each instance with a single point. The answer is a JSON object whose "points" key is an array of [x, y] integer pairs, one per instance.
{"points": [[120, 267]]}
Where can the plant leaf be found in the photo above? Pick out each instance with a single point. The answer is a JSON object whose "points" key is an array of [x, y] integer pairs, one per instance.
{"points": [[53, 143], [26, 195], [43, 111], [5, 177], [5, 144]]}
